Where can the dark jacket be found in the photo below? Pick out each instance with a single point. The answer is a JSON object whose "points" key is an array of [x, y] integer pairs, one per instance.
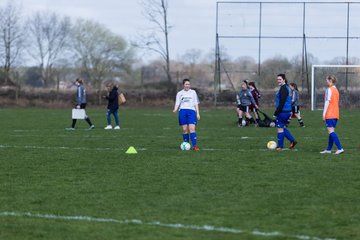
{"points": [[256, 95], [283, 100], [113, 99]]}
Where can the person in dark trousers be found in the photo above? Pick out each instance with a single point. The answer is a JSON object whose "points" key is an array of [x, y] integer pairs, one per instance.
{"points": [[283, 112], [112, 107], [81, 103]]}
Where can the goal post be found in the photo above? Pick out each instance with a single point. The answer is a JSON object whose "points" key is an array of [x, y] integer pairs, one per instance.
{"points": [[348, 81]]}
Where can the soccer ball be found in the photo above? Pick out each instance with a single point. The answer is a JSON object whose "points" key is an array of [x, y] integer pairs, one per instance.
{"points": [[272, 124], [243, 123], [271, 145], [185, 146]]}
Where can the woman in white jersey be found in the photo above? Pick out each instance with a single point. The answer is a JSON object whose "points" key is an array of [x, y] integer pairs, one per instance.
{"points": [[187, 102]]}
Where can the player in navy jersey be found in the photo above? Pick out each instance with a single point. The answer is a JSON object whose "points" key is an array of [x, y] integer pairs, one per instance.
{"points": [[187, 102], [295, 103], [283, 112]]}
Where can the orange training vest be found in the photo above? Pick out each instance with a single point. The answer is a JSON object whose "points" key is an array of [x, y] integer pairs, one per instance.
{"points": [[333, 108]]}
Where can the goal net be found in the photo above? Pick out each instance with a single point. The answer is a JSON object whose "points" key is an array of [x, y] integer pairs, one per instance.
{"points": [[348, 84]]}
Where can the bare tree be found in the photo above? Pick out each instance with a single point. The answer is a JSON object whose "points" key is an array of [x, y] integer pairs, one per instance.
{"points": [[99, 52], [62, 70], [156, 11], [191, 58], [49, 34], [12, 37], [271, 67]]}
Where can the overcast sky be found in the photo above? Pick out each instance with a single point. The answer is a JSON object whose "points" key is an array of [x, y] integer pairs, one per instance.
{"points": [[193, 21]]}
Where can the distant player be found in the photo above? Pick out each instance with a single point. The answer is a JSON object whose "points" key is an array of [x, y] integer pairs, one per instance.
{"points": [[256, 95], [295, 103], [331, 114], [187, 102], [283, 113], [244, 101]]}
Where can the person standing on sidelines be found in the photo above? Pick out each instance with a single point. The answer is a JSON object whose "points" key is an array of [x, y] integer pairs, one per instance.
{"points": [[331, 114], [187, 103], [283, 113], [295, 104], [80, 103], [112, 107]]}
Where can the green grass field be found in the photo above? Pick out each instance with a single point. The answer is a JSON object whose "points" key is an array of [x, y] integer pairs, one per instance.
{"points": [[58, 184]]}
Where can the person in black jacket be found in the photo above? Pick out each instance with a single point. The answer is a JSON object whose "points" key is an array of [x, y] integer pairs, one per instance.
{"points": [[113, 106]]}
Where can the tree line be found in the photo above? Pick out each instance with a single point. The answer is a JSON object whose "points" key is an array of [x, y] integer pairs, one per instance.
{"points": [[45, 49]]}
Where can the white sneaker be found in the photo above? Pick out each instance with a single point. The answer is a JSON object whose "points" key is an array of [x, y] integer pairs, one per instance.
{"points": [[339, 151], [117, 127], [108, 127], [325, 151]]}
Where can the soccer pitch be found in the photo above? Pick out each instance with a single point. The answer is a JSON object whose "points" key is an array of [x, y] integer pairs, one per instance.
{"points": [[58, 184]]}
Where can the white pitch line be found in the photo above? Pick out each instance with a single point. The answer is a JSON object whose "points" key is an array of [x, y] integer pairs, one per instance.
{"points": [[138, 149], [67, 148], [157, 223]]}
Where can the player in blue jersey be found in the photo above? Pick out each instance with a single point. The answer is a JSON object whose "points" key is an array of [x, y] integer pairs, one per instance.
{"points": [[187, 102], [283, 112]]}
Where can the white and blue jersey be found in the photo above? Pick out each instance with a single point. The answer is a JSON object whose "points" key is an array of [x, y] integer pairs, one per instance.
{"points": [[187, 100]]}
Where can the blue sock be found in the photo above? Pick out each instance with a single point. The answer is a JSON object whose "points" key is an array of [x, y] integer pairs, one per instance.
{"points": [[330, 143], [186, 137], [336, 140], [280, 137], [288, 135], [193, 138]]}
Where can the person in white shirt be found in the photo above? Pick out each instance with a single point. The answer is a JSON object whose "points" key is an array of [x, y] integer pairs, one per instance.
{"points": [[187, 103]]}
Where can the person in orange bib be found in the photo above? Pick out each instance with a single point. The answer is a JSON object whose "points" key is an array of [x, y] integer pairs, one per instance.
{"points": [[331, 114]]}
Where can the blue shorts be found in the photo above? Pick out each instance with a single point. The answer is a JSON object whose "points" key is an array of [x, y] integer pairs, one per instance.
{"points": [[331, 123], [187, 116], [282, 119]]}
